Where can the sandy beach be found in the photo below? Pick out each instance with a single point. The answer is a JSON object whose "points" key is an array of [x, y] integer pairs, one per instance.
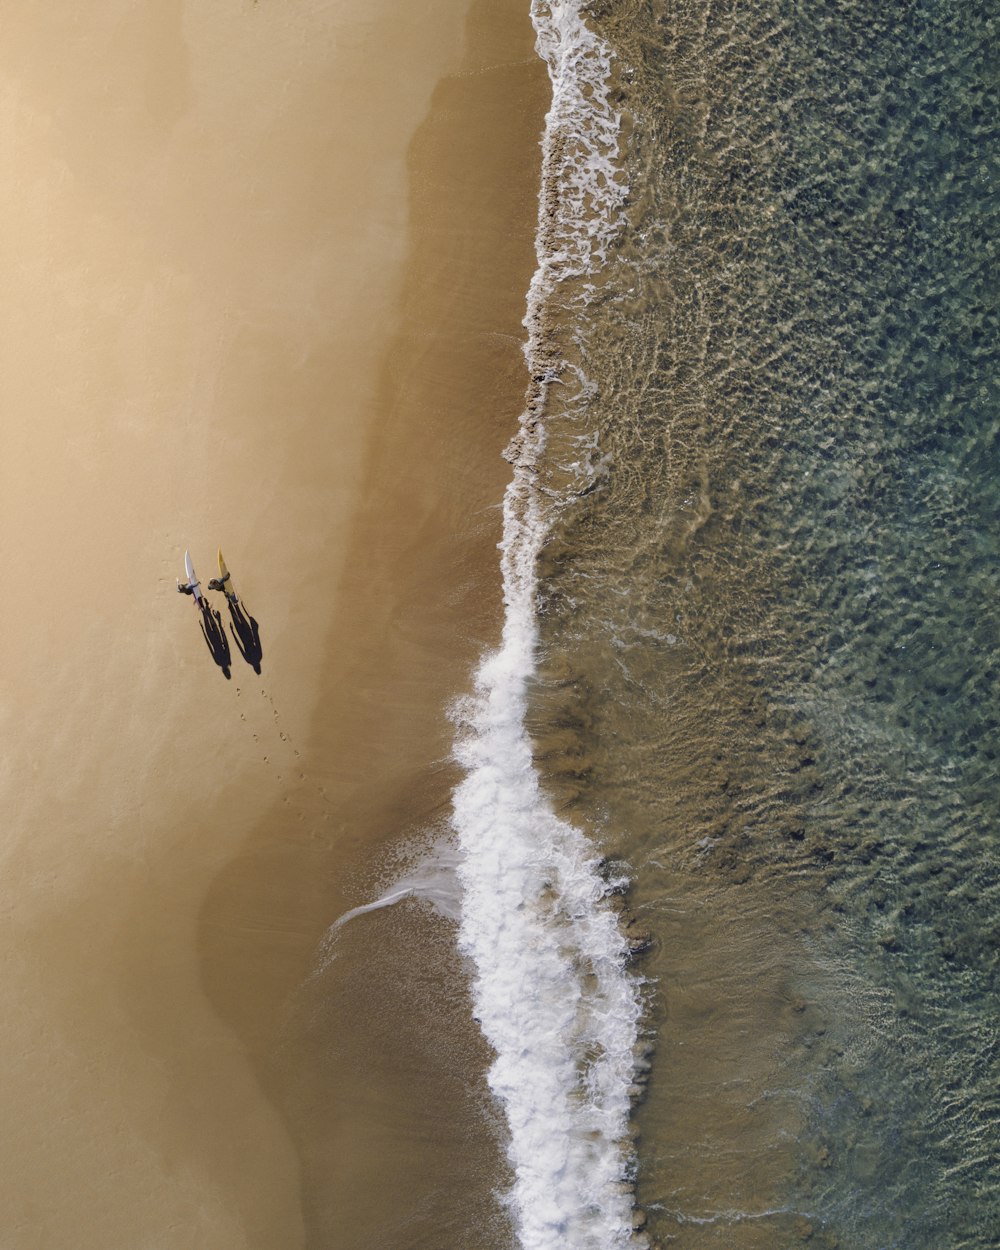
{"points": [[264, 275]]}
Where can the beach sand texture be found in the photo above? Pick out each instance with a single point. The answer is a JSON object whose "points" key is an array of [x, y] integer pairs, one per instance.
{"points": [[264, 270]]}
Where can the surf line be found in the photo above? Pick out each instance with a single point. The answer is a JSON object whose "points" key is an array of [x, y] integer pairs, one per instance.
{"points": [[551, 988]]}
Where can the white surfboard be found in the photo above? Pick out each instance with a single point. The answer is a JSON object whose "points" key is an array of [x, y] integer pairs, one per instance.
{"points": [[192, 579]]}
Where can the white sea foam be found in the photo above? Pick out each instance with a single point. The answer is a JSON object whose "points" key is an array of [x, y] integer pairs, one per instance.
{"points": [[551, 989], [582, 185], [430, 878]]}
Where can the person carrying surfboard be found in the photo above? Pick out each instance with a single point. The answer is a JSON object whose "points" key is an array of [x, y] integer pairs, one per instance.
{"points": [[192, 586], [219, 583], [224, 582]]}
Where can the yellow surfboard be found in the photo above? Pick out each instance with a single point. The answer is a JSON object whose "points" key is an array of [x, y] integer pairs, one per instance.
{"points": [[226, 580]]}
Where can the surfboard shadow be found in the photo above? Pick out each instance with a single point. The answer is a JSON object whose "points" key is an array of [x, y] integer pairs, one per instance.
{"points": [[215, 638], [246, 635]]}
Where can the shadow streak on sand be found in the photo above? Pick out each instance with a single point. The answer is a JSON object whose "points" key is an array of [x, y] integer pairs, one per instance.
{"points": [[246, 634], [378, 1071], [215, 637]]}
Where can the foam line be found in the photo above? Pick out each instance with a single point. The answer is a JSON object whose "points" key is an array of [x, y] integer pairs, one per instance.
{"points": [[550, 985], [386, 900]]}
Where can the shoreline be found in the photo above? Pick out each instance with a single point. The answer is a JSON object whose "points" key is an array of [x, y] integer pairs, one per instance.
{"points": [[452, 383]]}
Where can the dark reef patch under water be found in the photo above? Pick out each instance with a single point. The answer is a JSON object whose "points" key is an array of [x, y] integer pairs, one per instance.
{"points": [[770, 611]]}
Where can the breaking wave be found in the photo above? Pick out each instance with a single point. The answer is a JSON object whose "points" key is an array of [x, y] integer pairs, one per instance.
{"points": [[551, 987]]}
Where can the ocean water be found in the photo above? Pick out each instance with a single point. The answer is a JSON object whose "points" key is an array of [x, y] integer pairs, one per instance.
{"points": [[751, 565]]}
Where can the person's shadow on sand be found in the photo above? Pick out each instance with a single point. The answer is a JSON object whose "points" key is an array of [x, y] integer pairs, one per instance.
{"points": [[246, 633], [215, 637]]}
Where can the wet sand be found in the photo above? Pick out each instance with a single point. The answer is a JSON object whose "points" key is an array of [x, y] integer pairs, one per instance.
{"points": [[264, 272]]}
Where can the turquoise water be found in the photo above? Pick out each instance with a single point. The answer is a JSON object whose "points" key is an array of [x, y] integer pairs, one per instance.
{"points": [[769, 610]]}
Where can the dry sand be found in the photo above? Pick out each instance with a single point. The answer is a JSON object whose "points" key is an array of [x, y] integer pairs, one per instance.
{"points": [[263, 273]]}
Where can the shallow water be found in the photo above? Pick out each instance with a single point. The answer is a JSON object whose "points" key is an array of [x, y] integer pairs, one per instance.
{"points": [[768, 609]]}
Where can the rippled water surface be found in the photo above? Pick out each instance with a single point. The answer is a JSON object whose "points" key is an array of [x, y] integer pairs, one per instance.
{"points": [[769, 622]]}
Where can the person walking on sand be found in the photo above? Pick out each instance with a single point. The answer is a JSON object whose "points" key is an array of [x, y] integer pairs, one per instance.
{"points": [[224, 582], [219, 583], [192, 586]]}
